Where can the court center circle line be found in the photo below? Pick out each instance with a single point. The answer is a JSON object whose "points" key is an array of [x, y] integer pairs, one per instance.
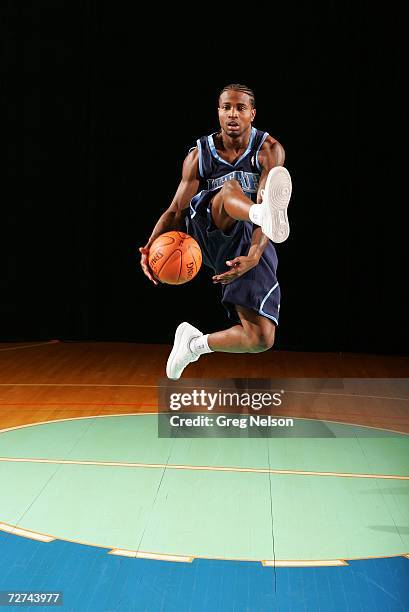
{"points": [[103, 416], [29, 534]]}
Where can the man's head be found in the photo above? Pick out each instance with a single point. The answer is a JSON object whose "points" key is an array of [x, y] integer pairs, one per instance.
{"points": [[236, 109]]}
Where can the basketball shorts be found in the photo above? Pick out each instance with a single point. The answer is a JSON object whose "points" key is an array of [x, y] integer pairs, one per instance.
{"points": [[258, 289]]}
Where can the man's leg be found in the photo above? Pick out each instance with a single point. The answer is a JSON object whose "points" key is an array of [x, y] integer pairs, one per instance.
{"points": [[255, 335], [230, 204]]}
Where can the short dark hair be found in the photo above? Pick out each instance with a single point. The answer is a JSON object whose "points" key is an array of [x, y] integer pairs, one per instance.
{"points": [[242, 88]]}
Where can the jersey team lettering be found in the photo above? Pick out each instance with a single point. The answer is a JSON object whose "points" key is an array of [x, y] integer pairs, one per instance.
{"points": [[248, 180]]}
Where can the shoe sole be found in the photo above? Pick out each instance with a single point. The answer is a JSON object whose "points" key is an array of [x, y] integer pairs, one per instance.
{"points": [[277, 193], [176, 345]]}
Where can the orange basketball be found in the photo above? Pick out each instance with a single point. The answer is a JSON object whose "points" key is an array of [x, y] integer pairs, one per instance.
{"points": [[175, 258]]}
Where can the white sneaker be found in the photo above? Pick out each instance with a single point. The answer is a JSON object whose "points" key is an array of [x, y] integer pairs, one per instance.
{"points": [[276, 196], [181, 355]]}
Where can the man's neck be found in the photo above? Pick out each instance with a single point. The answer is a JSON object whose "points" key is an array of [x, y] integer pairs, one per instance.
{"points": [[236, 144]]}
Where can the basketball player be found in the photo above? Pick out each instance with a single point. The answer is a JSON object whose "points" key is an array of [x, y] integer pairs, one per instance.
{"points": [[233, 198]]}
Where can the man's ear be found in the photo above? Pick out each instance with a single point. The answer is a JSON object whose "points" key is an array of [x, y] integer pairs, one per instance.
{"points": [[253, 114]]}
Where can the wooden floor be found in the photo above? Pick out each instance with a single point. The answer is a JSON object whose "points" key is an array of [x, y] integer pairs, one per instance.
{"points": [[48, 381]]}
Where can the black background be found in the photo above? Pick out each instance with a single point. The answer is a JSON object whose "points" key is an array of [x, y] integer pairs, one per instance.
{"points": [[99, 119]]}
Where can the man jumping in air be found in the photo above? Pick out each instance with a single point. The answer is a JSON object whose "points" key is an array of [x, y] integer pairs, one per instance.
{"points": [[233, 200]]}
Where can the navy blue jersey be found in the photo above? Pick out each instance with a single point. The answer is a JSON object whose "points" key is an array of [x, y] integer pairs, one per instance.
{"points": [[258, 289], [214, 170]]}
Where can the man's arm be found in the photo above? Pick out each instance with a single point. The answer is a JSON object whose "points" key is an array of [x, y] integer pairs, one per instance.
{"points": [[172, 218], [271, 154]]}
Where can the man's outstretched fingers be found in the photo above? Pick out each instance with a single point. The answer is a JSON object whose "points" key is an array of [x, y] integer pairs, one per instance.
{"points": [[238, 266]]}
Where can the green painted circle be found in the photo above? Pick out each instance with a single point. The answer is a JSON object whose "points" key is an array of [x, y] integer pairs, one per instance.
{"points": [[208, 513]]}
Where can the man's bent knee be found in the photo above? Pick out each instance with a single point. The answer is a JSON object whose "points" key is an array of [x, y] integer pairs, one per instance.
{"points": [[261, 341], [231, 185]]}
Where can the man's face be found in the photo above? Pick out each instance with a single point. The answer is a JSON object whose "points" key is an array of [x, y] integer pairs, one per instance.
{"points": [[235, 113]]}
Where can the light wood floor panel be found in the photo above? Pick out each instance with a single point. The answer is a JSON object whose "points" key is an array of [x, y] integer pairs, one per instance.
{"points": [[69, 380]]}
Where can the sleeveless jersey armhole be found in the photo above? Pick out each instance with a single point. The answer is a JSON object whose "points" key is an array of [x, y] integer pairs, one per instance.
{"points": [[258, 150], [199, 148]]}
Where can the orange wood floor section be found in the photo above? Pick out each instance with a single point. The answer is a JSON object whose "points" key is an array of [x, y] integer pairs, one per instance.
{"points": [[48, 381]]}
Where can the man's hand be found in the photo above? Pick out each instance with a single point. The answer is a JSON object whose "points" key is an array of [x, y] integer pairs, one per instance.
{"points": [[239, 266], [144, 251]]}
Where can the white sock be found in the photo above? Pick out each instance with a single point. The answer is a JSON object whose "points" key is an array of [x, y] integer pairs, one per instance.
{"points": [[256, 214], [200, 346]]}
